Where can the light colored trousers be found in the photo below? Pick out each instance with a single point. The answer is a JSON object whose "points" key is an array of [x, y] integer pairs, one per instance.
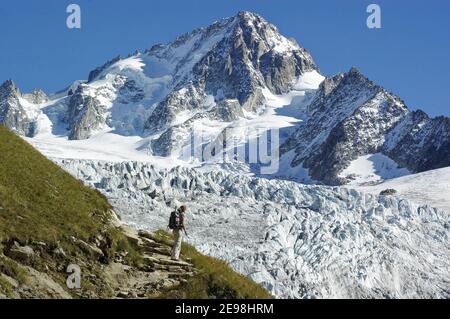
{"points": [[178, 237]]}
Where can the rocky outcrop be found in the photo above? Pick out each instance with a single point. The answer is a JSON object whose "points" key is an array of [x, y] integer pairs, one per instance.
{"points": [[86, 114], [128, 91], [227, 110], [165, 113], [21, 253], [420, 143], [15, 116], [30, 276], [95, 73], [36, 97]]}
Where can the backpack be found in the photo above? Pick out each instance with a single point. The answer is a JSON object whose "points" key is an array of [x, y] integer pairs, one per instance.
{"points": [[175, 220]]}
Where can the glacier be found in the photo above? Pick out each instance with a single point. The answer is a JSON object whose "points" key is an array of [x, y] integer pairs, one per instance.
{"points": [[298, 241]]}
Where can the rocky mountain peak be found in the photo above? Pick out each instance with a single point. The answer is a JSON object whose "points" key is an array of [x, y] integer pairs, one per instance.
{"points": [[37, 96], [13, 114], [9, 88], [254, 23], [349, 116], [246, 19], [354, 70], [341, 91], [248, 15], [234, 59], [355, 77]]}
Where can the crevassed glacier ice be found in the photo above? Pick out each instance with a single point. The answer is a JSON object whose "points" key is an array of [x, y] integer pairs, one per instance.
{"points": [[298, 241]]}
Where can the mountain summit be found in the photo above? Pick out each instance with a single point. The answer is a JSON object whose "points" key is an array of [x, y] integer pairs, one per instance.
{"points": [[15, 112]]}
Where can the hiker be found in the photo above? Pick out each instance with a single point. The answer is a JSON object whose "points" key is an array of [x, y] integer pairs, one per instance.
{"points": [[176, 223]]}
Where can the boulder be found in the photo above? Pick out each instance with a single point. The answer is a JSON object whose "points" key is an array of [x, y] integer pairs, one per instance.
{"points": [[388, 192], [21, 253], [93, 251], [59, 252]]}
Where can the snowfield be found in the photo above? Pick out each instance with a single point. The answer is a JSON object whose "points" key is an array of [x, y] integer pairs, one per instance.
{"points": [[431, 187], [298, 241], [372, 169]]}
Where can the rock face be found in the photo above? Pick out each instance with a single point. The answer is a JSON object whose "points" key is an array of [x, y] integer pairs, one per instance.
{"points": [[95, 73], [85, 115], [36, 97], [350, 117], [420, 143], [13, 114]]}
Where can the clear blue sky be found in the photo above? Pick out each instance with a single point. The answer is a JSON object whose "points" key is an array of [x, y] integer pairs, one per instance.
{"points": [[410, 55]]}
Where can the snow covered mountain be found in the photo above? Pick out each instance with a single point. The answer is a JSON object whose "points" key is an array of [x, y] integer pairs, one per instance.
{"points": [[223, 75], [351, 117], [123, 131], [237, 73], [17, 111]]}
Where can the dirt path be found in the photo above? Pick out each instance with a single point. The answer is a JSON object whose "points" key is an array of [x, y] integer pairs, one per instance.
{"points": [[158, 273]]}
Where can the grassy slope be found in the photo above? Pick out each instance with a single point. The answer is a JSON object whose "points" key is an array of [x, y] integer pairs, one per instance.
{"points": [[215, 278], [39, 202]]}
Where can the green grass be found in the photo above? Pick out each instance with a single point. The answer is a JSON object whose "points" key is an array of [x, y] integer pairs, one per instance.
{"points": [[40, 202], [135, 255], [216, 279], [12, 269], [6, 288]]}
